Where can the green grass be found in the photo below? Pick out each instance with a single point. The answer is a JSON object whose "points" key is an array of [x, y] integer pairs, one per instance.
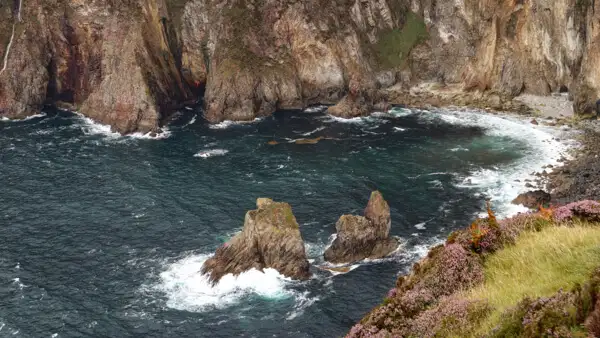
{"points": [[395, 45], [538, 265]]}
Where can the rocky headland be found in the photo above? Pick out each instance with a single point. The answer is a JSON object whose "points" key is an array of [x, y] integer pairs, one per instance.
{"points": [[363, 237], [131, 63]]}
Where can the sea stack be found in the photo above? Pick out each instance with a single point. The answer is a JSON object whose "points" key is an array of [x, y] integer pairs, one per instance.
{"points": [[361, 237], [270, 239]]}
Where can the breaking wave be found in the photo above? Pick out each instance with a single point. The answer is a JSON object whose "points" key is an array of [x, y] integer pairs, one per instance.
{"points": [[188, 290], [211, 153], [502, 184]]}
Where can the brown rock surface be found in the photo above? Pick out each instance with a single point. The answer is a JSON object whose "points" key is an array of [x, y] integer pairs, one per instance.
{"points": [[533, 199], [270, 239], [361, 237], [111, 61], [130, 63]]}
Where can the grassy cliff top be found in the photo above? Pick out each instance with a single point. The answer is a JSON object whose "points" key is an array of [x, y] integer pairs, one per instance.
{"points": [[533, 275]]}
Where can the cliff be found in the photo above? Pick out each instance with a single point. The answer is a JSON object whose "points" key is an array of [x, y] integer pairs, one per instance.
{"points": [[131, 63], [110, 60]]}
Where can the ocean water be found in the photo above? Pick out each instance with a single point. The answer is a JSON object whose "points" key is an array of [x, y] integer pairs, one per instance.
{"points": [[104, 236]]}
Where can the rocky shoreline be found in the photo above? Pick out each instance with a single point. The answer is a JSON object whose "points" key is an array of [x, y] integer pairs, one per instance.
{"points": [[271, 239], [130, 64], [579, 178]]}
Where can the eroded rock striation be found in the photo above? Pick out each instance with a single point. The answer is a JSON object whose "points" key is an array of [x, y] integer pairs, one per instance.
{"points": [[130, 63], [361, 237], [112, 61], [270, 239]]}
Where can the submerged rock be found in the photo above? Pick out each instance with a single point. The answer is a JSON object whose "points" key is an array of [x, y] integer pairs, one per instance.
{"points": [[309, 140], [270, 239], [361, 237], [533, 199]]}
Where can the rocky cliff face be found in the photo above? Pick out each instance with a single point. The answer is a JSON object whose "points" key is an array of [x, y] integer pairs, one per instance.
{"points": [[109, 60], [267, 55], [511, 46], [129, 63]]}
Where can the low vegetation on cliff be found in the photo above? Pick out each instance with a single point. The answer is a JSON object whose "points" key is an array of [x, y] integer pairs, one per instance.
{"points": [[395, 45], [536, 274]]}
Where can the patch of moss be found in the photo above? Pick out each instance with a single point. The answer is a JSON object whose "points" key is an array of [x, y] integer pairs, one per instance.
{"points": [[289, 217], [395, 45]]}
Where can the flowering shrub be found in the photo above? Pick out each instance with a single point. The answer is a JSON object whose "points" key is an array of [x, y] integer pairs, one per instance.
{"points": [[452, 270], [587, 210], [453, 316], [360, 330], [542, 317], [426, 304], [554, 316]]}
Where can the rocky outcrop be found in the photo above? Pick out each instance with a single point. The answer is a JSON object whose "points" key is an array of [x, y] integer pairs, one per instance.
{"points": [[361, 237], [533, 199], [112, 61], [270, 239], [267, 55]]}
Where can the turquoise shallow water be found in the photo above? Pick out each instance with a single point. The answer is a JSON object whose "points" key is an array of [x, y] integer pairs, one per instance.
{"points": [[104, 235]]}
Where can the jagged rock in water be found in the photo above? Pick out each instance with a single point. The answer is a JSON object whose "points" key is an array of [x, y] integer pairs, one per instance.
{"points": [[533, 199], [360, 237], [270, 239]]}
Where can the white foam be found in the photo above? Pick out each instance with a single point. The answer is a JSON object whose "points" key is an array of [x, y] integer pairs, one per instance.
{"points": [[31, 117], [17, 281], [189, 290], [436, 184], [504, 183], [399, 129], [192, 121], [357, 120], [161, 135], [400, 112], [421, 226], [315, 109], [228, 123], [211, 153], [91, 127], [312, 132], [303, 301]]}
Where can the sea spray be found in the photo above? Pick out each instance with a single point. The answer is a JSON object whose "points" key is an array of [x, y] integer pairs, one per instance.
{"points": [[187, 289]]}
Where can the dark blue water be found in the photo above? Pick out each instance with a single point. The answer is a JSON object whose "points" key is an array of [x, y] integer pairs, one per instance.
{"points": [[103, 235]]}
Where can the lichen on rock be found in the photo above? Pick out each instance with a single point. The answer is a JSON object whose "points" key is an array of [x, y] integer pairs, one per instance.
{"points": [[270, 239]]}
